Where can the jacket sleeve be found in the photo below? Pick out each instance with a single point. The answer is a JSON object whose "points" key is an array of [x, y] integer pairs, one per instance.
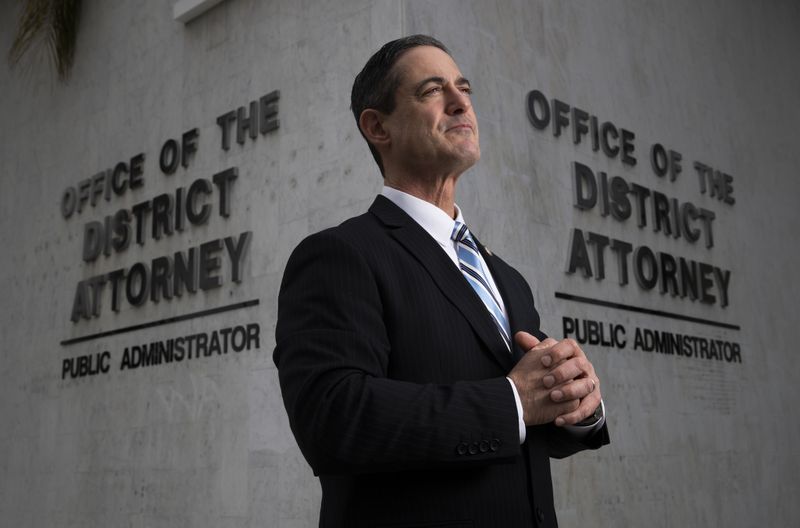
{"points": [[332, 353]]}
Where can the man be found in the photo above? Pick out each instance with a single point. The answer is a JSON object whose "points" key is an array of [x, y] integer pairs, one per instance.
{"points": [[421, 394]]}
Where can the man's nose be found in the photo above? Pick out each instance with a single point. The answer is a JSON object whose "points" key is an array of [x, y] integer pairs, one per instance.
{"points": [[458, 101]]}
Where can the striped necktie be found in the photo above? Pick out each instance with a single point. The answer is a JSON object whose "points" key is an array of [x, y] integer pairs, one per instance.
{"points": [[470, 263]]}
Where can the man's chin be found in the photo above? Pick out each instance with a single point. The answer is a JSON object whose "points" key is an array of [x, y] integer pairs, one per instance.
{"points": [[465, 159], [470, 154]]}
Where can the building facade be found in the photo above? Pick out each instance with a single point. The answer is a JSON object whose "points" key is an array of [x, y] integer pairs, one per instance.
{"points": [[639, 168]]}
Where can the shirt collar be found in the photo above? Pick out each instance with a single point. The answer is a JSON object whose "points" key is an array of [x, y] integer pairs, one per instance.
{"points": [[433, 220]]}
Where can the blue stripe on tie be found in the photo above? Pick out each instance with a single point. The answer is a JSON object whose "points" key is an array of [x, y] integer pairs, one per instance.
{"points": [[475, 274], [472, 269], [494, 310]]}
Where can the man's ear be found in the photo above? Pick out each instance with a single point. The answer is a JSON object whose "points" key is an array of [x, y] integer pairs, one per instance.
{"points": [[371, 123]]}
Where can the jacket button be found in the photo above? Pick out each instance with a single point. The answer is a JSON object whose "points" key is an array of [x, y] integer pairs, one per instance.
{"points": [[495, 444], [462, 448], [539, 514], [484, 446], [473, 448]]}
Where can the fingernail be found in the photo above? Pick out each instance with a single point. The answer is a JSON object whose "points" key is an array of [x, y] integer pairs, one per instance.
{"points": [[546, 360], [548, 381], [559, 421], [557, 395]]}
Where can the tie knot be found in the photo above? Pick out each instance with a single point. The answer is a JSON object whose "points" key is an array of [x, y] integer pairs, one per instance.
{"points": [[460, 232]]}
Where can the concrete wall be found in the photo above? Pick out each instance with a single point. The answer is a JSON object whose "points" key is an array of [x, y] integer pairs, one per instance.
{"points": [[205, 442]]}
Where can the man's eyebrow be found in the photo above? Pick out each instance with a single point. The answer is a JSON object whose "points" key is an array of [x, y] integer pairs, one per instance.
{"points": [[461, 81]]}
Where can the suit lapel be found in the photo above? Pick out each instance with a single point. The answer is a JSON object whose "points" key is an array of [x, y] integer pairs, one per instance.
{"points": [[446, 276], [510, 292]]}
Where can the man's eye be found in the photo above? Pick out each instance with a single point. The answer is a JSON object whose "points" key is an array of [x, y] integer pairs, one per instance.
{"points": [[467, 90], [433, 90]]}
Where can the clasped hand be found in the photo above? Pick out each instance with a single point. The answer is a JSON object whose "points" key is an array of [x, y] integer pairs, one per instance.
{"points": [[555, 381]]}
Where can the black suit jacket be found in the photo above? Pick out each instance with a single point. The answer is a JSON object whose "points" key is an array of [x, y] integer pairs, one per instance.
{"points": [[393, 375]]}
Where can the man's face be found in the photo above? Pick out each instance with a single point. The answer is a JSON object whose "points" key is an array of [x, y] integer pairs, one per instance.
{"points": [[433, 128]]}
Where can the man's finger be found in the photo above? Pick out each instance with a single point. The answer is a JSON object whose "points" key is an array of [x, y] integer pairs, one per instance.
{"points": [[584, 410], [577, 367], [565, 349], [574, 390], [525, 340]]}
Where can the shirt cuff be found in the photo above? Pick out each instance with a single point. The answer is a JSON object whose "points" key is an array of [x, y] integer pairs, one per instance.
{"points": [[519, 412]]}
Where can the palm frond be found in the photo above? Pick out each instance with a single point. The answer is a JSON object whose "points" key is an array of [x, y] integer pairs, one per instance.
{"points": [[56, 23]]}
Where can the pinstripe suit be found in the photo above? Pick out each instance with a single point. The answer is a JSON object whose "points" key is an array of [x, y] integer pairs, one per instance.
{"points": [[393, 376]]}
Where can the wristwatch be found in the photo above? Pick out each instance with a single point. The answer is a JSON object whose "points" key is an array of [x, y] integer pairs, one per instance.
{"points": [[593, 418]]}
